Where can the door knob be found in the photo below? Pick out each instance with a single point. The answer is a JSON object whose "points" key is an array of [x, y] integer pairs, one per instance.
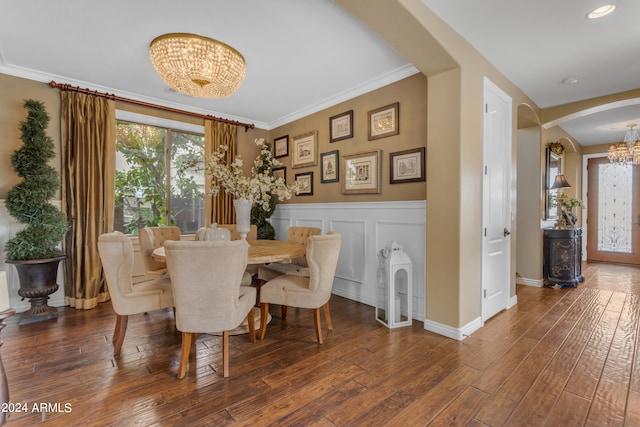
{"points": [[506, 232]]}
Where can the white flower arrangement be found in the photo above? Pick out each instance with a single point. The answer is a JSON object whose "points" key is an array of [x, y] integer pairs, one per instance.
{"points": [[567, 202], [257, 188]]}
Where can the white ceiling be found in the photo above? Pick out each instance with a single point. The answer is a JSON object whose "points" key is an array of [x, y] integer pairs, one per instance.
{"points": [[538, 44], [303, 56]]}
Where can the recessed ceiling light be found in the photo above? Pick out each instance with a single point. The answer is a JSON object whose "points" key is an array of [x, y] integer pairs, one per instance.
{"points": [[601, 11], [570, 80]]}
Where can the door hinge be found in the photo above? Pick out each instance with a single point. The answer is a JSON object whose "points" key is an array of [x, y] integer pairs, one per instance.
{"points": [[485, 232], [485, 293]]}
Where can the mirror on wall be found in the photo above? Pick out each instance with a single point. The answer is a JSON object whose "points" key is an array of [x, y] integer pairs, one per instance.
{"points": [[553, 168]]}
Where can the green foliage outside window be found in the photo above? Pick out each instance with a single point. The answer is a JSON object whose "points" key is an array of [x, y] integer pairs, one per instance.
{"points": [[141, 185]]}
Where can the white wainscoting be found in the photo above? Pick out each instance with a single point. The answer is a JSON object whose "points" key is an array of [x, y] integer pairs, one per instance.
{"points": [[8, 229], [365, 228]]}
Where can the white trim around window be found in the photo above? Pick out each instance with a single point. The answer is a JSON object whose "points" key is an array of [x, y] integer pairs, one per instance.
{"points": [[128, 116]]}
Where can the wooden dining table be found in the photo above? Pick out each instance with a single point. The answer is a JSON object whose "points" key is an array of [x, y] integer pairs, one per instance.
{"points": [[260, 251]]}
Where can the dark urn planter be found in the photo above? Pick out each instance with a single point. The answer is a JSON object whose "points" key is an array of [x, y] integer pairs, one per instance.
{"points": [[37, 281]]}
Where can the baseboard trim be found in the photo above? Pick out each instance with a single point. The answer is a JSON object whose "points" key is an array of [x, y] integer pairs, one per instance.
{"points": [[529, 282], [455, 333]]}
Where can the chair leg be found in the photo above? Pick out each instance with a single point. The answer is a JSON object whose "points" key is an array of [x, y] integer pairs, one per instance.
{"points": [[251, 320], [257, 283], [119, 333], [225, 354], [264, 313], [327, 316], [187, 339], [284, 310], [115, 330], [316, 321]]}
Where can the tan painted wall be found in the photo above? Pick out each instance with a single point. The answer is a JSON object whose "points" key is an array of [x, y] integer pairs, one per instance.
{"points": [[454, 280], [411, 94], [530, 204], [13, 92], [469, 124], [595, 149]]}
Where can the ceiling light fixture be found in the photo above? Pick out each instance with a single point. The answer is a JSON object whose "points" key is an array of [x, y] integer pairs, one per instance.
{"points": [[601, 11], [628, 151], [570, 80], [197, 65]]}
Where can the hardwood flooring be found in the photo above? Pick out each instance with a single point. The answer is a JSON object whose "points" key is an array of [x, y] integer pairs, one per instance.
{"points": [[561, 357]]}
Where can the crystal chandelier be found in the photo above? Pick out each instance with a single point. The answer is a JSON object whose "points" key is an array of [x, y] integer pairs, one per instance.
{"points": [[628, 151], [196, 65]]}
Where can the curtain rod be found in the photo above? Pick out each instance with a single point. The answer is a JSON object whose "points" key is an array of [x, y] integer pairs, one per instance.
{"points": [[68, 87]]}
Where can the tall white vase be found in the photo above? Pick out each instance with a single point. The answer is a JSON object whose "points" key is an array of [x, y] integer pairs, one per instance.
{"points": [[243, 216]]}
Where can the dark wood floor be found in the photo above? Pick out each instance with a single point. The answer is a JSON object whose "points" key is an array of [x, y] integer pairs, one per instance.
{"points": [[561, 357]]}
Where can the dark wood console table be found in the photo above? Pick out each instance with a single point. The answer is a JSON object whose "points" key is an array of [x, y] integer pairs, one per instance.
{"points": [[562, 260]]}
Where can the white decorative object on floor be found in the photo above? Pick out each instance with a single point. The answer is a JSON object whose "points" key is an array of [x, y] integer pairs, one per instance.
{"points": [[393, 305]]}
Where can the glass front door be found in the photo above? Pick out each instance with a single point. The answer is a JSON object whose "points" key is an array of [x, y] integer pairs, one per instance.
{"points": [[613, 211]]}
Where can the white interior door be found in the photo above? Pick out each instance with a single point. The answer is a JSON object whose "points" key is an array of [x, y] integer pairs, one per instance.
{"points": [[496, 243]]}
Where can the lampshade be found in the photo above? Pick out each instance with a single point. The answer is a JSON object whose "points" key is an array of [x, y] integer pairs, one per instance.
{"points": [[560, 182], [197, 65]]}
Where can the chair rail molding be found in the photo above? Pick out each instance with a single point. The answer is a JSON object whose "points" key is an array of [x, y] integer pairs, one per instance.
{"points": [[8, 229], [366, 228]]}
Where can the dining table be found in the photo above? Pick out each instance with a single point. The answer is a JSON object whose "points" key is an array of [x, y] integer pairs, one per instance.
{"points": [[260, 251]]}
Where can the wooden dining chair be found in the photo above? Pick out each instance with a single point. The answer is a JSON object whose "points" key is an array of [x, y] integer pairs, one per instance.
{"points": [[311, 292], [206, 278], [151, 238], [116, 255]]}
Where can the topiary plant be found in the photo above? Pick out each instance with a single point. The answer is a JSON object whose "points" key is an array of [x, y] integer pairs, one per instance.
{"points": [[28, 201]]}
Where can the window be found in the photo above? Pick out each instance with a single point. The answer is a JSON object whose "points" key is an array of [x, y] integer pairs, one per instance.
{"points": [[159, 174]]}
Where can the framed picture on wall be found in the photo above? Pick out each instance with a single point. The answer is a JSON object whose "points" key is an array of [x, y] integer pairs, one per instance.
{"points": [[329, 170], [384, 121], [281, 146], [305, 150], [361, 173], [341, 126], [305, 180], [280, 173], [407, 166]]}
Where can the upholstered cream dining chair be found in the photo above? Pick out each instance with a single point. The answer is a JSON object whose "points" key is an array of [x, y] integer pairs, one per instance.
{"points": [[208, 297], [247, 279], [298, 266], [312, 292], [116, 254], [151, 238], [252, 270]]}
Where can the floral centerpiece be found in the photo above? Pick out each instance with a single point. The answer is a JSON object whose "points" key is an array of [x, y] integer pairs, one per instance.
{"points": [[258, 188]]}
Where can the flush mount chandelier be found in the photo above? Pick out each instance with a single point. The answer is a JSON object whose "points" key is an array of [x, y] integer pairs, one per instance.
{"points": [[197, 65], [628, 151]]}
